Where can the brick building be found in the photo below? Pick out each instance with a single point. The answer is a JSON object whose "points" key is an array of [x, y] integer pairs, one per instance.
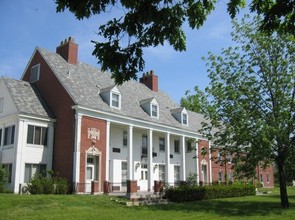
{"points": [[71, 117]]}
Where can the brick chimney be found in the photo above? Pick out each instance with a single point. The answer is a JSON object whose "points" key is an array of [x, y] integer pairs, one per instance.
{"points": [[68, 49], [150, 80]]}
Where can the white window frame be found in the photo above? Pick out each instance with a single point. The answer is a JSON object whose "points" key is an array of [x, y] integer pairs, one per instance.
{"points": [[10, 137], [124, 172], [162, 172], [184, 119], [35, 73], [8, 169], [34, 168], [125, 138], [113, 101], [161, 145], [41, 141], [1, 104], [176, 174], [154, 114], [178, 145]]}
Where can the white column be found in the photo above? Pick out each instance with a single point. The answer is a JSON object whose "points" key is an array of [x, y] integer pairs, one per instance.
{"points": [[150, 160], [197, 165], [167, 166], [130, 166], [76, 165], [108, 151], [18, 144], [210, 162], [1, 142], [182, 167]]}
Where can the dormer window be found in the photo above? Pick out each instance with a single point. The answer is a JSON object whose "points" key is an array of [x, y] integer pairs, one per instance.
{"points": [[35, 73], [115, 100], [112, 96], [184, 119], [154, 111], [151, 107], [180, 114]]}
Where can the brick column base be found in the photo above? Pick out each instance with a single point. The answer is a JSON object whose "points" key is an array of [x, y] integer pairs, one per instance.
{"points": [[132, 190], [94, 187], [158, 187], [106, 187]]}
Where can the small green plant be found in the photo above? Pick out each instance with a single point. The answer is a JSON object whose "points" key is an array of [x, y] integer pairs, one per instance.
{"points": [[192, 179], [3, 179], [48, 184]]}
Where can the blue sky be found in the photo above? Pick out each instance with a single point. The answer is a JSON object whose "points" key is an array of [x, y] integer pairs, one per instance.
{"points": [[26, 24]]}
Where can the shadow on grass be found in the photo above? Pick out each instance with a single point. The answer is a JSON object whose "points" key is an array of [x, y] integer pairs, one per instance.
{"points": [[228, 208]]}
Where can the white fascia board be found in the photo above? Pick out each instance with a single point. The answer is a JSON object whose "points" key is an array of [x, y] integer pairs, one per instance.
{"points": [[31, 117], [136, 122]]}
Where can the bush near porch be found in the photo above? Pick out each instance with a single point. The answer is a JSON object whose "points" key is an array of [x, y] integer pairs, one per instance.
{"points": [[196, 193]]}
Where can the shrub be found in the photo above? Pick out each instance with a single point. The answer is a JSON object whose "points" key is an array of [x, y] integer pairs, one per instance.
{"points": [[49, 184], [195, 193], [3, 179]]}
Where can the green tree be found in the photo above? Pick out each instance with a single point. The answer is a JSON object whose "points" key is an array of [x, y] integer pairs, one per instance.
{"points": [[252, 88], [3, 178], [195, 102], [145, 23]]}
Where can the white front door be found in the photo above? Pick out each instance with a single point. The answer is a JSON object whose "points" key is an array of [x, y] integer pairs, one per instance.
{"points": [[89, 177], [144, 177]]}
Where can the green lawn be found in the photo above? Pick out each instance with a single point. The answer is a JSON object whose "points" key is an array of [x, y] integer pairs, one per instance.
{"points": [[104, 207]]}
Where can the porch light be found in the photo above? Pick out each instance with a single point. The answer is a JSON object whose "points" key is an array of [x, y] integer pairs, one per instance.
{"points": [[155, 167], [137, 165]]}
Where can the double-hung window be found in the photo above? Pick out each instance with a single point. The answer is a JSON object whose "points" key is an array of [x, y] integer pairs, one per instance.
{"points": [[184, 119], [8, 169], [154, 111], [9, 135], [115, 100], [176, 146], [32, 169], [37, 135], [162, 144], [125, 138], [162, 172]]}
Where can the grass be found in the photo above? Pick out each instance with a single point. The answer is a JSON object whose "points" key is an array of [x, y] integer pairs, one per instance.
{"points": [[105, 207]]}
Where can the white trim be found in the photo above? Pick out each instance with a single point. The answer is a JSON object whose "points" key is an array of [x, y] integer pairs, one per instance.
{"points": [[76, 162], [182, 167], [130, 167], [137, 122], [210, 162], [167, 164], [150, 159], [107, 169], [197, 156]]}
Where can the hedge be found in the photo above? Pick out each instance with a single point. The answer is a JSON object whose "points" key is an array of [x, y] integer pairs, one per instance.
{"points": [[196, 193]]}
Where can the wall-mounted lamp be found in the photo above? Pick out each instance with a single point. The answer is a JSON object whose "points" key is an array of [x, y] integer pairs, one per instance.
{"points": [[137, 165]]}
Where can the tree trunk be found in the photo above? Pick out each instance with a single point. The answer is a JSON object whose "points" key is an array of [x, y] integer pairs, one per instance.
{"points": [[282, 180]]}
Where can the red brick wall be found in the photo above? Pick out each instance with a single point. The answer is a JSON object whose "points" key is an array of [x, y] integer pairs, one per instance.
{"points": [[204, 144], [69, 51], [60, 103], [88, 122]]}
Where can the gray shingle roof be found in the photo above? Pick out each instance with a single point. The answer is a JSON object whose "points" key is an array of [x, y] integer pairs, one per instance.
{"points": [[27, 99], [82, 85]]}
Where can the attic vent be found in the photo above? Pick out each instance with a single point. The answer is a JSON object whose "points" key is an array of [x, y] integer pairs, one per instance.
{"points": [[69, 72]]}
